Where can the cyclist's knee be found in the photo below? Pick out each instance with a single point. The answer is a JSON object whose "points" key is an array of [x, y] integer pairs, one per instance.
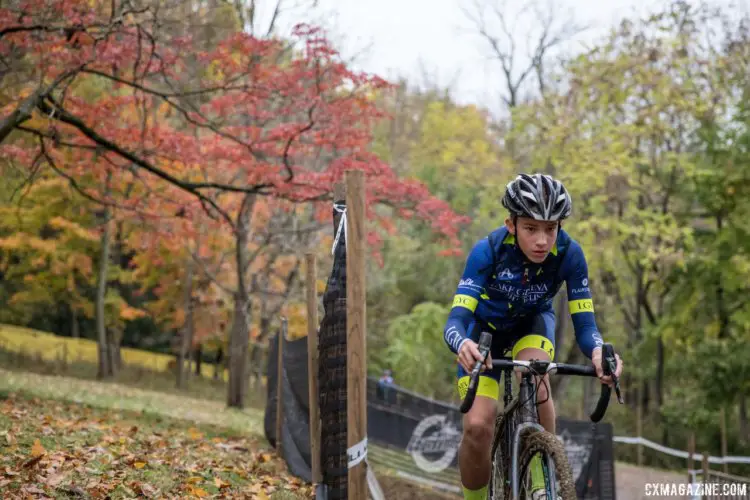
{"points": [[478, 432], [479, 422]]}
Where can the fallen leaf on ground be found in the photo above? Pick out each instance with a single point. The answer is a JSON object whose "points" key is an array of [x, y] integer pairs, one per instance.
{"points": [[37, 449]]}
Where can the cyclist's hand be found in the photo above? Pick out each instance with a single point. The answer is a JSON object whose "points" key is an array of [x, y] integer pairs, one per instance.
{"points": [[596, 360], [469, 355]]}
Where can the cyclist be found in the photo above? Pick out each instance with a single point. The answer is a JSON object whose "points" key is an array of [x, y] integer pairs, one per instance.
{"points": [[507, 287]]}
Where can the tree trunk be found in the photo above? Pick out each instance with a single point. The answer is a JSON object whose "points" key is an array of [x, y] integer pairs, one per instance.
{"points": [[114, 337], [116, 334], [659, 375], [256, 359], [238, 346], [198, 352], [240, 334], [219, 363], [256, 354], [187, 331], [75, 329], [105, 369], [721, 305], [744, 429]]}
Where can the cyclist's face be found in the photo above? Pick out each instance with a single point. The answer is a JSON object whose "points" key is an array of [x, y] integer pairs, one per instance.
{"points": [[535, 238]]}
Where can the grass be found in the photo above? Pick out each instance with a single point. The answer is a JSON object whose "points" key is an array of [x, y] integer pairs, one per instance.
{"points": [[122, 397], [26, 350], [53, 347], [64, 434]]}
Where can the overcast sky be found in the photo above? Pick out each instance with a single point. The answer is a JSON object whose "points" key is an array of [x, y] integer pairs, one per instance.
{"points": [[410, 37]]}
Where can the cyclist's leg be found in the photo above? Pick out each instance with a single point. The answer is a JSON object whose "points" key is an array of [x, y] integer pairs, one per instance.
{"points": [[474, 459], [539, 344]]}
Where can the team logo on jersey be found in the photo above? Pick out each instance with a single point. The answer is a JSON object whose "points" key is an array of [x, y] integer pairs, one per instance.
{"points": [[506, 275]]}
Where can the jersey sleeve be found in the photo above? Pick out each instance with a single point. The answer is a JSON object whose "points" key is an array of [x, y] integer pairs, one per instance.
{"points": [[470, 288], [581, 305]]}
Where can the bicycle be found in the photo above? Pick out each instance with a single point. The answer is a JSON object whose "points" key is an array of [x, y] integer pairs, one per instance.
{"points": [[519, 420]]}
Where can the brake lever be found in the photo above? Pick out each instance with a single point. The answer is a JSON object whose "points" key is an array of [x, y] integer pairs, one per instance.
{"points": [[617, 389], [611, 362]]}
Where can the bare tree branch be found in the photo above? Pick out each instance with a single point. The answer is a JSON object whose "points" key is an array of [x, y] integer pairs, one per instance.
{"points": [[274, 18], [190, 187], [25, 109], [504, 48]]}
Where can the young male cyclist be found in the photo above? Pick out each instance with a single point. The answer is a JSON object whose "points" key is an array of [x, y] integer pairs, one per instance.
{"points": [[507, 287]]}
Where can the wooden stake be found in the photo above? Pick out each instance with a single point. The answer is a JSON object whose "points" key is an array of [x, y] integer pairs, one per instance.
{"points": [[279, 386], [691, 452], [705, 466], [312, 364], [356, 334]]}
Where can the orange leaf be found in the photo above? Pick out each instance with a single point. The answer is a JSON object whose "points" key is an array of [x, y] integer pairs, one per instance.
{"points": [[199, 492], [139, 465], [37, 450]]}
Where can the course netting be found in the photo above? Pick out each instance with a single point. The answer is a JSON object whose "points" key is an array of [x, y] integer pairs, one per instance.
{"points": [[332, 365]]}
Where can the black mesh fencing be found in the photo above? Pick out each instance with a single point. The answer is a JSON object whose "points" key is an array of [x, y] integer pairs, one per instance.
{"points": [[332, 366], [331, 383], [295, 401]]}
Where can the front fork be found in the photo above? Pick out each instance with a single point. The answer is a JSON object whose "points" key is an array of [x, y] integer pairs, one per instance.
{"points": [[528, 418]]}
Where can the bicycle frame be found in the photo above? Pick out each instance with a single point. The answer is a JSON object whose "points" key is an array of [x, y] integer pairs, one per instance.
{"points": [[525, 407]]}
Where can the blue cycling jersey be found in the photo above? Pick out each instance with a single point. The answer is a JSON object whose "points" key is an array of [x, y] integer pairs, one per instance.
{"points": [[500, 287]]}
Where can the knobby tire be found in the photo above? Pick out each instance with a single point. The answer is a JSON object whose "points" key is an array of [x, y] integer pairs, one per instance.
{"points": [[545, 443]]}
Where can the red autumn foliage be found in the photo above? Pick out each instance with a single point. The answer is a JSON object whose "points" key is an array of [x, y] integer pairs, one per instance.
{"points": [[168, 114]]}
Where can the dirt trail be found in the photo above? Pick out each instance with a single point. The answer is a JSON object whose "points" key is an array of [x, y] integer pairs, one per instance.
{"points": [[631, 484], [631, 480]]}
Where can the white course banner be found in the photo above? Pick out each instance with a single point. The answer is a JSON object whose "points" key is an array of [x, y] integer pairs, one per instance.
{"points": [[679, 453]]}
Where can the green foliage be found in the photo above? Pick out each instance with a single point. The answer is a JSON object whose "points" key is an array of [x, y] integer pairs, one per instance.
{"points": [[47, 251], [417, 354]]}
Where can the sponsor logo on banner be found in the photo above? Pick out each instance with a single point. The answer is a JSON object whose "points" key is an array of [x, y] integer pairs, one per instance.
{"points": [[578, 453], [434, 443]]}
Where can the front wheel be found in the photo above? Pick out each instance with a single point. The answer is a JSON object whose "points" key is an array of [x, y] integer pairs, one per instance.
{"points": [[544, 444], [498, 474]]}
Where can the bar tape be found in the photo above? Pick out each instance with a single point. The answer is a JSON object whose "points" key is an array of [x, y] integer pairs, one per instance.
{"points": [[357, 453]]}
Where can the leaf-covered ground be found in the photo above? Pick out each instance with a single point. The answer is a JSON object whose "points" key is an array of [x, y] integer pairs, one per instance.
{"points": [[122, 397], [57, 449]]}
